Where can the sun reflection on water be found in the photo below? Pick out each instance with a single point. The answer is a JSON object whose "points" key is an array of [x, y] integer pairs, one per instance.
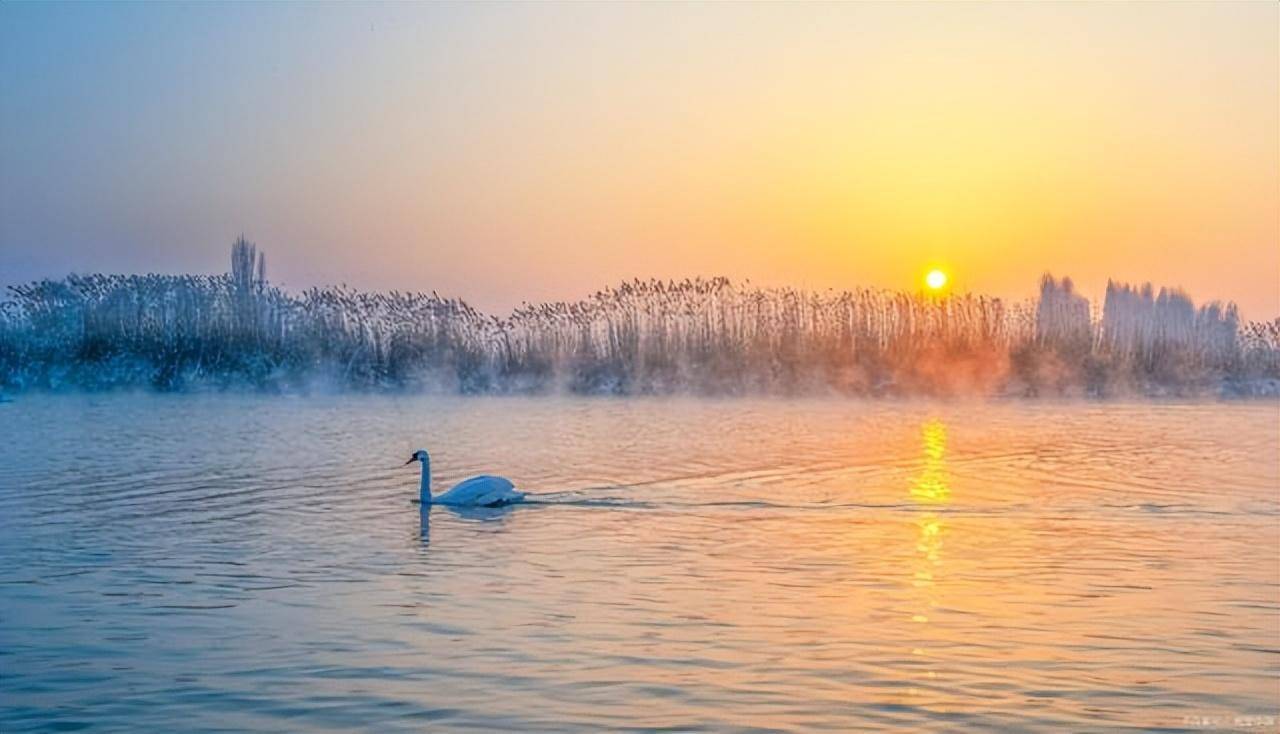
{"points": [[931, 488]]}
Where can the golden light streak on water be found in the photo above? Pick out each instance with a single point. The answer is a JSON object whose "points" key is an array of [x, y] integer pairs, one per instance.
{"points": [[931, 488]]}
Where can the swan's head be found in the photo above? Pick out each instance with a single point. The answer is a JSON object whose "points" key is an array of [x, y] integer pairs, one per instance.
{"points": [[419, 455]]}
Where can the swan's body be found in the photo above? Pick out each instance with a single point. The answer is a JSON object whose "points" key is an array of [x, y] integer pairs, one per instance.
{"points": [[485, 490], [482, 491]]}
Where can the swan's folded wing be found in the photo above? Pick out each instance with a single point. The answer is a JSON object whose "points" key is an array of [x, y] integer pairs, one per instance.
{"points": [[467, 492], [479, 491], [499, 496]]}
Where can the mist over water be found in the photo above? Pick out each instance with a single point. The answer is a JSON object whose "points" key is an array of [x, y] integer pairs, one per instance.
{"points": [[204, 562]]}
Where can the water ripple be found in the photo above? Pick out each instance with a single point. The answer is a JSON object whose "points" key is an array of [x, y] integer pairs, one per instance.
{"points": [[254, 563]]}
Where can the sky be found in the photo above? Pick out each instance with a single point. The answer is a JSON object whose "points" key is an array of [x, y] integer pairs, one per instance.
{"points": [[504, 153]]}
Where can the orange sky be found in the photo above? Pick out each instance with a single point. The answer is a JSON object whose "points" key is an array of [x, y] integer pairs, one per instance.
{"points": [[512, 152]]}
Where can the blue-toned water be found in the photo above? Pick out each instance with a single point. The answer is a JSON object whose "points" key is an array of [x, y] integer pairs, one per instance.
{"points": [[199, 563]]}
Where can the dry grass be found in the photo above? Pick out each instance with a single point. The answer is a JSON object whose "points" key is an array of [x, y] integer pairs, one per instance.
{"points": [[697, 336]]}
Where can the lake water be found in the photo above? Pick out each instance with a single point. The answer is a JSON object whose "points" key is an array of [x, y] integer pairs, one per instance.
{"points": [[190, 563]]}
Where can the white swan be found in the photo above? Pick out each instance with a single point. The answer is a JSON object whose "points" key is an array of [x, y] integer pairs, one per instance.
{"points": [[482, 491]]}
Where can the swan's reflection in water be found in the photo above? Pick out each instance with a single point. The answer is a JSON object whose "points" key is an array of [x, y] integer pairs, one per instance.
{"points": [[467, 514], [931, 488]]}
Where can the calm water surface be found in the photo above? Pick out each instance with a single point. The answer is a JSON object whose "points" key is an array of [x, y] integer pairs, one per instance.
{"points": [[229, 563]]}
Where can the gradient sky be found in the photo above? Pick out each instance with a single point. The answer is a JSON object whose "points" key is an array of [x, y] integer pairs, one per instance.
{"points": [[512, 152]]}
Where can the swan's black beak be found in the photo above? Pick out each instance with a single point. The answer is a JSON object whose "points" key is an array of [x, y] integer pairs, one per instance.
{"points": [[411, 460]]}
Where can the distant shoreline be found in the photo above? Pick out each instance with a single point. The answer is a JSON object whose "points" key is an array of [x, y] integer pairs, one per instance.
{"points": [[699, 337]]}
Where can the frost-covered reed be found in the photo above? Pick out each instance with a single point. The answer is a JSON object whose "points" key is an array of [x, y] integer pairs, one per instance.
{"points": [[707, 336]]}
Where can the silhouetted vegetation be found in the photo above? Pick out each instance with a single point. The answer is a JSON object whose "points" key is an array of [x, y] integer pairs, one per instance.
{"points": [[642, 337]]}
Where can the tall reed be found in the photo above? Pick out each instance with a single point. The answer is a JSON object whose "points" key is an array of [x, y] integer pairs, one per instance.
{"points": [[706, 336]]}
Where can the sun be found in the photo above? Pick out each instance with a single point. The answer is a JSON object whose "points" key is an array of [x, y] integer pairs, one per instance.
{"points": [[936, 279]]}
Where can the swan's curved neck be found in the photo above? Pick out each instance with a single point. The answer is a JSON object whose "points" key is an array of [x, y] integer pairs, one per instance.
{"points": [[424, 489]]}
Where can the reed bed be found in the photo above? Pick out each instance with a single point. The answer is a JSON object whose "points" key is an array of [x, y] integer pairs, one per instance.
{"points": [[703, 336]]}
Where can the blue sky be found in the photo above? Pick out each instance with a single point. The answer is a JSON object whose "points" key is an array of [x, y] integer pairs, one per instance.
{"points": [[510, 152]]}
